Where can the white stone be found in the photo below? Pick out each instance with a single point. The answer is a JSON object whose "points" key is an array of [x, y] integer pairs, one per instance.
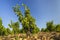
{"points": [[20, 39]]}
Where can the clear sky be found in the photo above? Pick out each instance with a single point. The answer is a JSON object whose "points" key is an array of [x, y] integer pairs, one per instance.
{"points": [[42, 10]]}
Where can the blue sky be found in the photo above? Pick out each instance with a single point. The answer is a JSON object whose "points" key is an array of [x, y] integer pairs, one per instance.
{"points": [[42, 10]]}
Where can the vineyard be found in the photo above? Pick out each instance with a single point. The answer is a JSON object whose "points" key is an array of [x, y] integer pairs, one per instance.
{"points": [[29, 30]]}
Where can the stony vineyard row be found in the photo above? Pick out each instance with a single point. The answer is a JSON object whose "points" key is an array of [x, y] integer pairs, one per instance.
{"points": [[38, 36]]}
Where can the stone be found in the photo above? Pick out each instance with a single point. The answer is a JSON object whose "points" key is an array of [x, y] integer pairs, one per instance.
{"points": [[20, 38]]}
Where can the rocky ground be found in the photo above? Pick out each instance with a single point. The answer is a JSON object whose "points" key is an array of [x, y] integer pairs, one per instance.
{"points": [[38, 36]]}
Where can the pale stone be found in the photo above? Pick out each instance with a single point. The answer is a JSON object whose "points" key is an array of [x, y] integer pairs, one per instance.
{"points": [[12, 38], [25, 39], [38, 39], [20, 39], [51, 39], [44, 38]]}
